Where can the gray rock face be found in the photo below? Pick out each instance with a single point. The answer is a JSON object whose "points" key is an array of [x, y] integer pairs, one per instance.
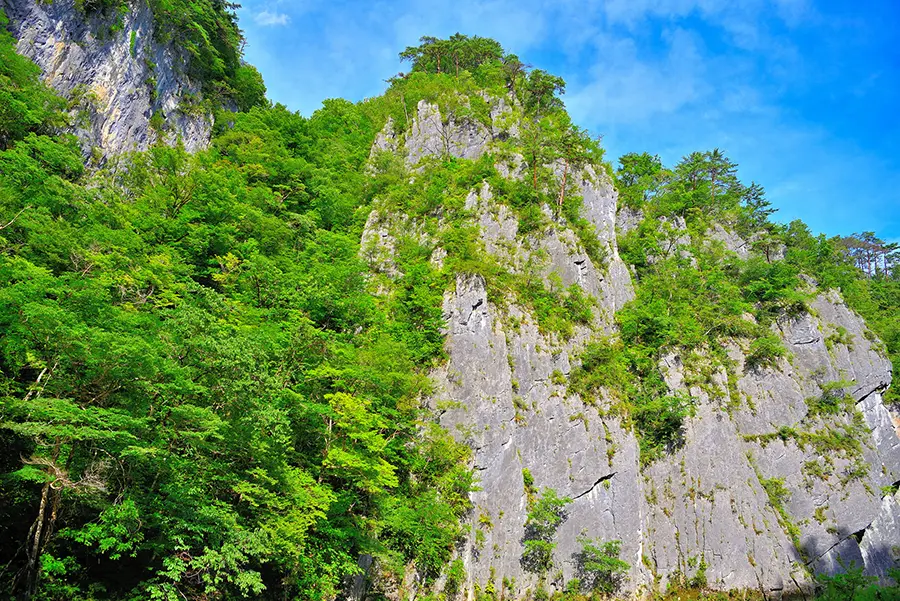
{"points": [[434, 134], [431, 136], [731, 241], [880, 543], [110, 80], [629, 219], [500, 394], [707, 507], [600, 199], [385, 140], [754, 499]]}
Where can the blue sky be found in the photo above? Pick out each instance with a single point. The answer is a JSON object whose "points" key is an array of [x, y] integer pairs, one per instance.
{"points": [[803, 94]]}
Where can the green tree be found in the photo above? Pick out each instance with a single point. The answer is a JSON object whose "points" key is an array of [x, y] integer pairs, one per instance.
{"points": [[598, 566], [459, 52], [249, 89], [545, 515], [26, 104], [540, 93], [638, 178]]}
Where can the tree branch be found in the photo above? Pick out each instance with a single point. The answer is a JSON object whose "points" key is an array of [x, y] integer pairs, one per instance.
{"points": [[11, 221]]}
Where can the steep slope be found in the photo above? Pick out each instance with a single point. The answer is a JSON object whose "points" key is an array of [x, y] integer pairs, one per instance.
{"points": [[131, 75], [765, 487]]}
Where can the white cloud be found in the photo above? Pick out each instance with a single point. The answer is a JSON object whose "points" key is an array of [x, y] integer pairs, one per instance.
{"points": [[626, 89], [269, 19], [629, 12]]}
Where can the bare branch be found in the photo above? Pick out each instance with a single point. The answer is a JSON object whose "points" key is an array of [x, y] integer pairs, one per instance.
{"points": [[11, 221]]}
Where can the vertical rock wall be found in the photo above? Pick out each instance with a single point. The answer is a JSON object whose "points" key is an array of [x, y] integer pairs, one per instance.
{"points": [[704, 512], [115, 80]]}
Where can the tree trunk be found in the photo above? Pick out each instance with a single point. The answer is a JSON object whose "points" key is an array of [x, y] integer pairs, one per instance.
{"points": [[562, 191], [405, 112], [33, 547]]}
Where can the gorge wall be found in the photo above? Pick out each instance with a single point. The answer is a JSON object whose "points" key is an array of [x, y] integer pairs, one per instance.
{"points": [[710, 510], [764, 493], [126, 89]]}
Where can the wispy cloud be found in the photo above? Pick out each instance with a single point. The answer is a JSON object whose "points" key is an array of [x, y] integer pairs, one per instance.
{"points": [[801, 93], [624, 88], [270, 19]]}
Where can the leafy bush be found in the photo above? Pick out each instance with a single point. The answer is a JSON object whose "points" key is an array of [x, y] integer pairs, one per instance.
{"points": [[853, 585], [764, 352], [247, 88], [545, 514], [834, 399], [26, 104], [659, 422], [456, 576], [598, 566], [603, 366]]}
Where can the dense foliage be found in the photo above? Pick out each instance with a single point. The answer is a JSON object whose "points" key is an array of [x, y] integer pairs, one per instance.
{"points": [[26, 105], [200, 396], [546, 512], [598, 566]]}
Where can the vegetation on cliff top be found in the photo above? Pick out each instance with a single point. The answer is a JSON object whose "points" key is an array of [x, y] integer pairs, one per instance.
{"points": [[206, 32]]}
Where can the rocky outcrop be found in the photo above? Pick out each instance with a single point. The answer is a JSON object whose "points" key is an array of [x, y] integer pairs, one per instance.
{"points": [[432, 133], [504, 393], [628, 219], [738, 450], [116, 77], [431, 136], [704, 509], [764, 492]]}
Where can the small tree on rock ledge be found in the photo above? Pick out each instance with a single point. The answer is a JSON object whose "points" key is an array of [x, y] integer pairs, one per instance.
{"points": [[544, 517], [598, 566]]}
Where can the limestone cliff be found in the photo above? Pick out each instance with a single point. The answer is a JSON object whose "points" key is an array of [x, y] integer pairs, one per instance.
{"points": [[115, 74], [751, 500], [705, 511]]}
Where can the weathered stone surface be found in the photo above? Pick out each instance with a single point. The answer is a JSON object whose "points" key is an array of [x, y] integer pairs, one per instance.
{"points": [[730, 240], [386, 139], [703, 504], [628, 219], [708, 506], [503, 392], [115, 84], [880, 544], [498, 393], [358, 585], [885, 425], [827, 346], [835, 561], [378, 244], [600, 199], [432, 136]]}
